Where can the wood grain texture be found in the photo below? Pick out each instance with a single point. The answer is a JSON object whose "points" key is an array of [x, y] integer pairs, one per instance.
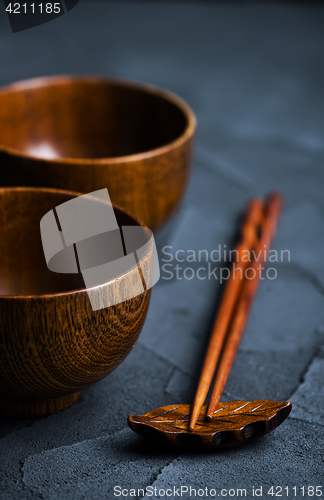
{"points": [[249, 226], [234, 423], [268, 227], [52, 344], [88, 133]]}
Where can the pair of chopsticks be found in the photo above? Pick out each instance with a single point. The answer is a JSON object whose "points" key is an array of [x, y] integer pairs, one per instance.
{"points": [[257, 232]]}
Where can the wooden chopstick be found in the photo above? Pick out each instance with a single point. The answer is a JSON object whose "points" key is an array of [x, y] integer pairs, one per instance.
{"points": [[249, 236], [268, 228]]}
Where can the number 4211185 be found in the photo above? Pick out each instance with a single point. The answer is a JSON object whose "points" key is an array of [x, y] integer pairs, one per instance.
{"points": [[23, 8]]}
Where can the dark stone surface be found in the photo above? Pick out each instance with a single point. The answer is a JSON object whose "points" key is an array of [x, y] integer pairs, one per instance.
{"points": [[92, 468], [308, 399], [276, 459], [254, 76]]}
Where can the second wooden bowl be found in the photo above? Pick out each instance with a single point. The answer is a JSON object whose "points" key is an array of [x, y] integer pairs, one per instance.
{"points": [[89, 133], [52, 344]]}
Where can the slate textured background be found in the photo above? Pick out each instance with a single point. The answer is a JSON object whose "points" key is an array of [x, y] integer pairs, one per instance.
{"points": [[254, 76]]}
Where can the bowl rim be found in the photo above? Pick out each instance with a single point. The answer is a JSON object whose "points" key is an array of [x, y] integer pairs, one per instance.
{"points": [[44, 81], [78, 290]]}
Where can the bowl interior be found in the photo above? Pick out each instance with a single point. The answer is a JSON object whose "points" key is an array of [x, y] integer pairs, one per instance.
{"points": [[71, 118], [23, 269]]}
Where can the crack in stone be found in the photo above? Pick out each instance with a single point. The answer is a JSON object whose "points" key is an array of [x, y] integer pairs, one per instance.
{"points": [[67, 446], [317, 284], [87, 444], [317, 349], [173, 373], [164, 358], [309, 364], [22, 484], [303, 378], [223, 170], [304, 373], [24, 426], [299, 419], [155, 476], [47, 417]]}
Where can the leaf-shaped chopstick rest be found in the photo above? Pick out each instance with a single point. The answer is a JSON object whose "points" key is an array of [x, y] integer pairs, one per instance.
{"points": [[224, 425], [234, 423]]}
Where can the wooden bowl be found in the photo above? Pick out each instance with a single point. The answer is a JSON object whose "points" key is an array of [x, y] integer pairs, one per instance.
{"points": [[52, 344], [89, 133]]}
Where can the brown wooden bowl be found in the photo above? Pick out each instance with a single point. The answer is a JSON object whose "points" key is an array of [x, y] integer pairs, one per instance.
{"points": [[89, 133], [52, 344]]}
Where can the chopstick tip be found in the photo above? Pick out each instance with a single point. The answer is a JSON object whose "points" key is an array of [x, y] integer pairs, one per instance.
{"points": [[275, 196]]}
